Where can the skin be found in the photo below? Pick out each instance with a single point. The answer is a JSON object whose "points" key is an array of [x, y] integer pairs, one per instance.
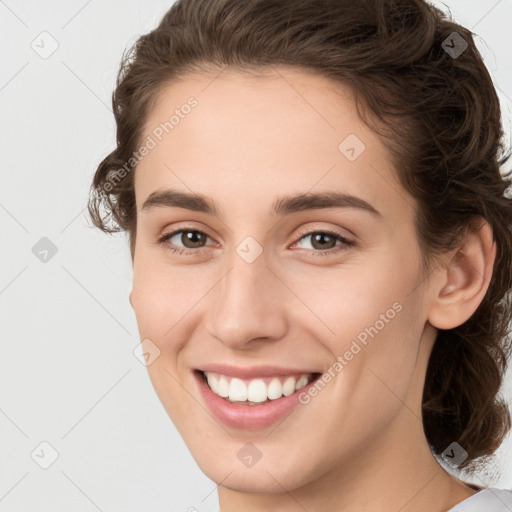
{"points": [[359, 444]]}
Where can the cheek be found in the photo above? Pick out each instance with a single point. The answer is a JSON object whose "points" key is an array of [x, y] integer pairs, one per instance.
{"points": [[374, 369], [353, 305], [160, 296], [160, 308], [374, 321], [379, 363]]}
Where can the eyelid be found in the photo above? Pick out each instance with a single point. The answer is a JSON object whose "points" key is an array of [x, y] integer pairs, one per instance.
{"points": [[185, 226], [337, 231]]}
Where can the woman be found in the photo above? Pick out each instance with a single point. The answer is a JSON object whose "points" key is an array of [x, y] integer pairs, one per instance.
{"points": [[321, 247]]}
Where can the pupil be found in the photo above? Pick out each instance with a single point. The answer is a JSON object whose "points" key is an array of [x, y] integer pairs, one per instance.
{"points": [[191, 235], [320, 235]]}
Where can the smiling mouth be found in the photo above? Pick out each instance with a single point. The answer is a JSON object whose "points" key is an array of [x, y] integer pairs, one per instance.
{"points": [[256, 391]]}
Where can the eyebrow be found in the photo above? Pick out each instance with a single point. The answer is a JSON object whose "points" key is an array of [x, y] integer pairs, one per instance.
{"points": [[282, 206]]}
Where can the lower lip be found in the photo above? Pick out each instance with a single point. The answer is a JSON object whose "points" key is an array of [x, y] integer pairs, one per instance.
{"points": [[248, 417]]}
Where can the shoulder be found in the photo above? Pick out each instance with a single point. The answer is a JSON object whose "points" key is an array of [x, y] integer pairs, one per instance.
{"points": [[487, 500]]}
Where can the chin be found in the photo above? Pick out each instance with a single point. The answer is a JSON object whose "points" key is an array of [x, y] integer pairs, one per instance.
{"points": [[248, 482], [262, 478]]}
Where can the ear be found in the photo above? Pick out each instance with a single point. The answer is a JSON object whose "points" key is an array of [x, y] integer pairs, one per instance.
{"points": [[465, 280], [130, 298]]}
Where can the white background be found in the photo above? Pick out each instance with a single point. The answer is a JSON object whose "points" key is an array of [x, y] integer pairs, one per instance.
{"points": [[67, 372]]}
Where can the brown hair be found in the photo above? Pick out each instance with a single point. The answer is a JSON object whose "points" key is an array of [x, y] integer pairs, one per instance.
{"points": [[426, 93]]}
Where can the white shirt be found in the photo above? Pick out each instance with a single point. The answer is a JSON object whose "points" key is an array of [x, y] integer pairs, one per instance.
{"points": [[486, 500]]}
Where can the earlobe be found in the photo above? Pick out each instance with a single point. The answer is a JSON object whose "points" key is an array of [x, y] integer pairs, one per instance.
{"points": [[465, 280]]}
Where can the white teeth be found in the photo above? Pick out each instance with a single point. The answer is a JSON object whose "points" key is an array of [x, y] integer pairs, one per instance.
{"points": [[275, 389], [289, 386], [256, 390], [237, 390], [223, 387], [213, 381], [301, 382]]}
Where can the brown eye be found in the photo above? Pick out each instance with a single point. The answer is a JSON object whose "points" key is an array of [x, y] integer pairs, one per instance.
{"points": [[324, 242], [192, 240]]}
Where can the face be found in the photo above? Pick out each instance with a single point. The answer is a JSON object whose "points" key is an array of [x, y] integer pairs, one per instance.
{"points": [[266, 286]]}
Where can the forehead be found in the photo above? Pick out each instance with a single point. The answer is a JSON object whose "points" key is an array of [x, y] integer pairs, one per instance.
{"points": [[262, 134]]}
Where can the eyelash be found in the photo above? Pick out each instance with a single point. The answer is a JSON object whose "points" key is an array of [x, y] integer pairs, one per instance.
{"points": [[346, 243]]}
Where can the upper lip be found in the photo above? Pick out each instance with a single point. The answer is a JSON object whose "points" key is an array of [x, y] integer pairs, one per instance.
{"points": [[252, 371]]}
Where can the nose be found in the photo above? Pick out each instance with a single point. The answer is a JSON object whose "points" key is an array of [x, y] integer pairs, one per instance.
{"points": [[248, 304]]}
